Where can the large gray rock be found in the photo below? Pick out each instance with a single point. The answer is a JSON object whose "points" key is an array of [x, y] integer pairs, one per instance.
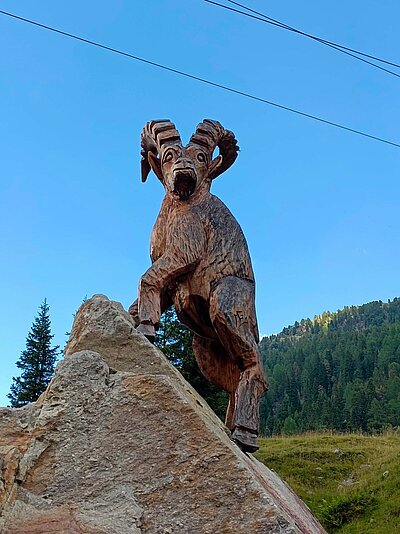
{"points": [[120, 443]]}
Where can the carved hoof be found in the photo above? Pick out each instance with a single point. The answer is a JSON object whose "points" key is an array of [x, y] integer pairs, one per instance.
{"points": [[147, 330], [245, 439]]}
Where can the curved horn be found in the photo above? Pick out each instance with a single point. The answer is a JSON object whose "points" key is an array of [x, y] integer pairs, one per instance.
{"points": [[211, 134], [154, 136]]}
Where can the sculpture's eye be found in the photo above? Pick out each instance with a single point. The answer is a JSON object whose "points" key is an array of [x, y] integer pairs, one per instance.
{"points": [[201, 157], [168, 157]]}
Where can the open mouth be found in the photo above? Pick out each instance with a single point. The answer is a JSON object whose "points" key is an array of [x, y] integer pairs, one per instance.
{"points": [[184, 184]]}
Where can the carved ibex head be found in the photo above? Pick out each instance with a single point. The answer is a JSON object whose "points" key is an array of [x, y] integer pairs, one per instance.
{"points": [[183, 170]]}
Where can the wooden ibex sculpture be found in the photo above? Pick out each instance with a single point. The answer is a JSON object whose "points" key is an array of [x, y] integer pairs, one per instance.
{"points": [[201, 264]]}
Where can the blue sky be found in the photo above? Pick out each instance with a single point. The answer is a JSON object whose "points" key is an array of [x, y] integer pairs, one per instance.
{"points": [[319, 206]]}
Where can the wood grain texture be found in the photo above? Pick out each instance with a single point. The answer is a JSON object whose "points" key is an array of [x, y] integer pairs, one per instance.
{"points": [[201, 264]]}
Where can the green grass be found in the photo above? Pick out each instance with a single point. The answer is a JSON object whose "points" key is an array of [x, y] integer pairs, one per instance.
{"points": [[351, 482]]}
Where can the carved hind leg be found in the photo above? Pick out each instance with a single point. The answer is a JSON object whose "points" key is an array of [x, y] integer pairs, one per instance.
{"points": [[233, 316], [217, 366]]}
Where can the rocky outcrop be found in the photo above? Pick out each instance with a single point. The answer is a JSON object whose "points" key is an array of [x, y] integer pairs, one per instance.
{"points": [[120, 443]]}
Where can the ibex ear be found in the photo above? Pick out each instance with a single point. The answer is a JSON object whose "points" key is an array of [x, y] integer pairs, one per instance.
{"points": [[214, 166], [155, 164]]}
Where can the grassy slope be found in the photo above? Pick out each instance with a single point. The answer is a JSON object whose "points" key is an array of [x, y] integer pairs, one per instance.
{"points": [[350, 482]]}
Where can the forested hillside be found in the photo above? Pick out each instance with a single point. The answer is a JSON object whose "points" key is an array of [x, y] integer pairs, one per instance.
{"points": [[338, 371]]}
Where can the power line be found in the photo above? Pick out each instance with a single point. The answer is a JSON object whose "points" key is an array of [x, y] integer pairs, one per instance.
{"points": [[286, 26], [202, 80], [340, 48], [313, 36]]}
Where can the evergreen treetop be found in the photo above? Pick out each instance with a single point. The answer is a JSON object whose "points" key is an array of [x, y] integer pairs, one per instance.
{"points": [[37, 361]]}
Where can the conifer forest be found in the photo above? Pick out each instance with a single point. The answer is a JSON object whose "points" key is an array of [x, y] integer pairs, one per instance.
{"points": [[339, 371]]}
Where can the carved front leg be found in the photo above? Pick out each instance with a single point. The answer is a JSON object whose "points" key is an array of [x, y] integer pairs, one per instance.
{"points": [[151, 286], [184, 247], [133, 310]]}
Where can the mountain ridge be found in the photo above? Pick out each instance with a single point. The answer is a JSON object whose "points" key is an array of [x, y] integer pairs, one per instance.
{"points": [[387, 311]]}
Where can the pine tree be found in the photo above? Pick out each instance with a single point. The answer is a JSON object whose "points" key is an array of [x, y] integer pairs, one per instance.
{"points": [[37, 361], [175, 340], [290, 426]]}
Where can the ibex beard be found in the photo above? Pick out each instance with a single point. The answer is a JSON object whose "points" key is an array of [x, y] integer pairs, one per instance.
{"points": [[201, 265]]}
